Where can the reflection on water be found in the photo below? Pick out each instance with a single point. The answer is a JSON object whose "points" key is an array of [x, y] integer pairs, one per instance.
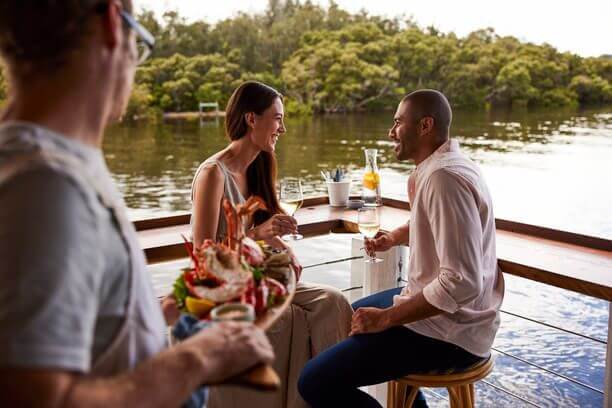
{"points": [[546, 168]]}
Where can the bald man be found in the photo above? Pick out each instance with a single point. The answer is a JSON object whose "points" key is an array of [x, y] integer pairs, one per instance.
{"points": [[447, 317]]}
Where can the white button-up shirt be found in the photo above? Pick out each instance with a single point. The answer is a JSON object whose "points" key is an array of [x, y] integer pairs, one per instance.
{"points": [[452, 251]]}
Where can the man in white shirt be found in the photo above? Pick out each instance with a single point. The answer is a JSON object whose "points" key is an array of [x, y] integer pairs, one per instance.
{"points": [[448, 315]]}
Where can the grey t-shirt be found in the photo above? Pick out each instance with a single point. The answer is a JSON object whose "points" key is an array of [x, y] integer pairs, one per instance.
{"points": [[64, 277]]}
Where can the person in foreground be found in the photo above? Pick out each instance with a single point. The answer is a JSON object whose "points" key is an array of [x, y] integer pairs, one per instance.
{"points": [[320, 316], [80, 324], [447, 316]]}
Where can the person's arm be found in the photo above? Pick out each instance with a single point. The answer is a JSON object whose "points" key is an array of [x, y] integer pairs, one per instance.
{"points": [[387, 240], [50, 281], [400, 235], [166, 380], [457, 230], [207, 198]]}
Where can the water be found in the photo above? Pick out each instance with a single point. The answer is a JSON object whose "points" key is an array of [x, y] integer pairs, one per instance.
{"points": [[545, 168]]}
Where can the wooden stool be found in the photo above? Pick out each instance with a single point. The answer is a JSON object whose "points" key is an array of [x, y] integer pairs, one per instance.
{"points": [[460, 385]]}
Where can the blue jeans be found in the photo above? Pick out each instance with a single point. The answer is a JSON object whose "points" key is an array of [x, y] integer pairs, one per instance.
{"points": [[332, 378]]}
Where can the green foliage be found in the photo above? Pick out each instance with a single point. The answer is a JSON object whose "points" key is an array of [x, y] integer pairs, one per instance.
{"points": [[140, 105], [513, 84], [178, 83], [329, 60], [591, 89], [345, 70]]}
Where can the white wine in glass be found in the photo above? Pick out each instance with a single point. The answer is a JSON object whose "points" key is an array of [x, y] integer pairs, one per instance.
{"points": [[369, 229], [290, 207], [291, 198], [368, 221]]}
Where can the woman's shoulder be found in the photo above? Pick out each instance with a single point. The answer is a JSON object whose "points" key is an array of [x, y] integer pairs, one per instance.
{"points": [[209, 172], [209, 176], [217, 160]]}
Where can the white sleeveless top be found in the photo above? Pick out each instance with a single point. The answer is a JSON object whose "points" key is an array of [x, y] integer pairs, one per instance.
{"points": [[230, 192]]}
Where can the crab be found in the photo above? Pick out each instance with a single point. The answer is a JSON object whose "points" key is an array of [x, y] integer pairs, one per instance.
{"points": [[221, 266]]}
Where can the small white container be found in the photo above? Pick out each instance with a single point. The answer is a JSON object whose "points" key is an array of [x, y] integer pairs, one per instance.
{"points": [[338, 192], [239, 312]]}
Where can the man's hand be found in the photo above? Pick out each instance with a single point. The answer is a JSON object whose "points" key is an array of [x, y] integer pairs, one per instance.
{"points": [[170, 309], [230, 348], [277, 225], [369, 320], [383, 241]]}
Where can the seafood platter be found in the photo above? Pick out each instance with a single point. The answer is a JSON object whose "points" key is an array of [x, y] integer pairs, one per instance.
{"points": [[237, 270]]}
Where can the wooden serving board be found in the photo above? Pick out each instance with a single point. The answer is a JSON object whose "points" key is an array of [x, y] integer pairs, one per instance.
{"points": [[263, 377]]}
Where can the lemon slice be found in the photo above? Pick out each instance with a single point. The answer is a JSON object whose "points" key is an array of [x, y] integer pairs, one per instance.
{"points": [[371, 180], [198, 307]]}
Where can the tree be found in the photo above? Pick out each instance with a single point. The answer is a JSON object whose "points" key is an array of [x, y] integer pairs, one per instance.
{"points": [[591, 89], [350, 69], [328, 60], [140, 105], [178, 83], [513, 85]]}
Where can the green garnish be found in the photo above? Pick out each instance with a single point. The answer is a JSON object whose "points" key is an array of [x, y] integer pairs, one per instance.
{"points": [[180, 292], [258, 273]]}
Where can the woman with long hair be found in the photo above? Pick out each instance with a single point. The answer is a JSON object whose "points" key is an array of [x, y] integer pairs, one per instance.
{"points": [[320, 316], [247, 166]]}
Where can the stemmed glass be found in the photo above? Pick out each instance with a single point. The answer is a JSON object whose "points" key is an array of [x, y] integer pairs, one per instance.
{"points": [[369, 225], [291, 198]]}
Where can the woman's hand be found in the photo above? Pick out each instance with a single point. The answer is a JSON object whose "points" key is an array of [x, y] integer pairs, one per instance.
{"points": [[277, 225], [278, 243], [383, 241], [297, 267]]}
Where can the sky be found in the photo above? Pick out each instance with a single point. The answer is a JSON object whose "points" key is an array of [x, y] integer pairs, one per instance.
{"points": [[583, 27]]}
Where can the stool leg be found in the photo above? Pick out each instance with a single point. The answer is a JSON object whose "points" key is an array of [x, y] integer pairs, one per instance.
{"points": [[472, 394], [391, 394], [465, 396], [454, 396], [396, 394], [411, 397], [391, 397]]}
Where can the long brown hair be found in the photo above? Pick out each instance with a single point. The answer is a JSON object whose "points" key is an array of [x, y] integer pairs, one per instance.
{"points": [[255, 97]]}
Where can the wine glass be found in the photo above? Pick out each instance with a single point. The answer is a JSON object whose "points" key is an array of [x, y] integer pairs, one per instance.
{"points": [[291, 198], [369, 225]]}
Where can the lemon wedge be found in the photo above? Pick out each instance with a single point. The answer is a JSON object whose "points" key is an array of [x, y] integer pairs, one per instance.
{"points": [[371, 180], [198, 307]]}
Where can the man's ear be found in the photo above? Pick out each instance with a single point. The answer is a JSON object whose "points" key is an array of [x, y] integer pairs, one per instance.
{"points": [[426, 125], [249, 118], [111, 25]]}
